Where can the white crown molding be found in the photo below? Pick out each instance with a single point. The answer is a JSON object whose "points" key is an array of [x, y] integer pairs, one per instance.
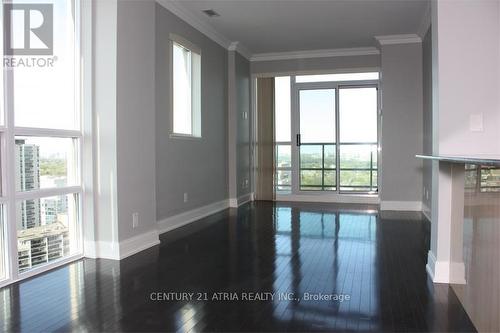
{"points": [[240, 48], [187, 16], [425, 22], [325, 53], [398, 39]]}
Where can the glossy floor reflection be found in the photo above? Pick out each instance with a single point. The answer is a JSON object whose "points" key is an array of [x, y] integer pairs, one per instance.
{"points": [[283, 249]]}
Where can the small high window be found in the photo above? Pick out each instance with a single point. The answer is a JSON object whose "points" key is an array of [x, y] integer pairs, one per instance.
{"points": [[186, 88]]}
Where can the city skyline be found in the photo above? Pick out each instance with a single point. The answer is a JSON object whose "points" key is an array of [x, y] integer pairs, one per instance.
{"points": [[42, 224]]}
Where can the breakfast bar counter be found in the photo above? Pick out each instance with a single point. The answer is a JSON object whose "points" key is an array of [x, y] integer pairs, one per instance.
{"points": [[465, 237]]}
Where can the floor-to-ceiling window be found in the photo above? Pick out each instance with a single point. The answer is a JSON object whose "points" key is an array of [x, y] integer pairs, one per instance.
{"points": [[326, 133], [282, 135], [41, 132], [3, 244]]}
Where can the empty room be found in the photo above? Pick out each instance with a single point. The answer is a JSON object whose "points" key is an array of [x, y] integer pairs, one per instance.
{"points": [[250, 166]]}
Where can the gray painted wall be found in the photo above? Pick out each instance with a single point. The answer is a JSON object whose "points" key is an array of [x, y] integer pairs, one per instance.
{"points": [[135, 116], [427, 120], [242, 73], [315, 64], [401, 178], [194, 166]]}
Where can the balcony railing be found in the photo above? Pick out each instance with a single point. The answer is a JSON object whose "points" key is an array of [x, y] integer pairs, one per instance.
{"points": [[318, 167], [358, 170]]}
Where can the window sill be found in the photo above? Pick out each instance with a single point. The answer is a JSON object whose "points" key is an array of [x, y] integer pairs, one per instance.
{"points": [[357, 198], [184, 136], [42, 269]]}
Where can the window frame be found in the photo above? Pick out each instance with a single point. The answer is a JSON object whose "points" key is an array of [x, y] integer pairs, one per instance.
{"points": [[308, 189], [83, 137], [294, 110], [337, 85], [195, 87], [364, 76]]}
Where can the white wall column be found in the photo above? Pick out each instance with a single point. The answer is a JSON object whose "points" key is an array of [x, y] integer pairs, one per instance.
{"points": [[124, 122], [445, 262]]}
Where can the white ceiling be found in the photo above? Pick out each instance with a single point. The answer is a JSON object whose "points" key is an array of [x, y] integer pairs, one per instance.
{"points": [[265, 26]]}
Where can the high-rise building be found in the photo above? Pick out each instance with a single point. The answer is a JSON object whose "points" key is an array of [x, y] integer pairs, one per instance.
{"points": [[42, 234], [42, 244], [28, 178], [51, 209]]}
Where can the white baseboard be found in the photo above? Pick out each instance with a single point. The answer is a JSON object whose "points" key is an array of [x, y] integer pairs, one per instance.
{"points": [[123, 249], [426, 211], [431, 264], [333, 198], [103, 250], [245, 198], [89, 249], [445, 271], [176, 221], [138, 243], [241, 200], [457, 273], [414, 206], [233, 202], [441, 272]]}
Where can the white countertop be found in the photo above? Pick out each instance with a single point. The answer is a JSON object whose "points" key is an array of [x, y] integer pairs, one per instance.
{"points": [[465, 159]]}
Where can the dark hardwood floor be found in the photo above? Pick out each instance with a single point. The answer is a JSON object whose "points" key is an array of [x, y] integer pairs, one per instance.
{"points": [[281, 254]]}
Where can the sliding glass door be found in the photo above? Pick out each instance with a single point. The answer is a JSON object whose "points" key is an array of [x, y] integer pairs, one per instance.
{"points": [[316, 140], [358, 139], [327, 137]]}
